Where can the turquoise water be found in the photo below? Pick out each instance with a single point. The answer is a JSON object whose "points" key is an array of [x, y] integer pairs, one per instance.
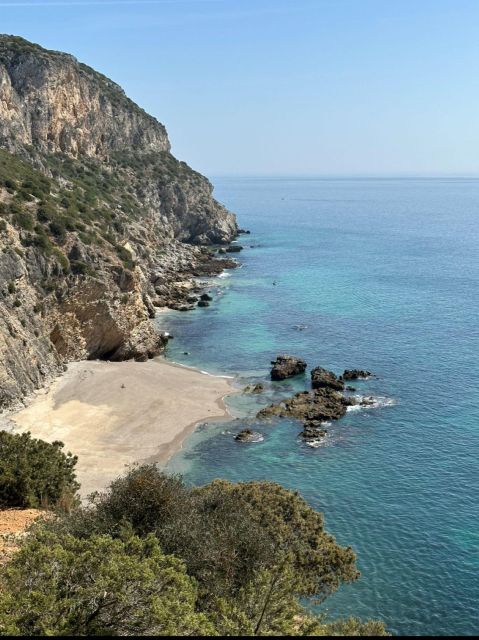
{"points": [[383, 275]]}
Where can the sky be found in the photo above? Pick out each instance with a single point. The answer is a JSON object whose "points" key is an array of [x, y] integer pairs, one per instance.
{"points": [[286, 87]]}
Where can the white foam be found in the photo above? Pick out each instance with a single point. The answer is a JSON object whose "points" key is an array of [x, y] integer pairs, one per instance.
{"points": [[374, 402]]}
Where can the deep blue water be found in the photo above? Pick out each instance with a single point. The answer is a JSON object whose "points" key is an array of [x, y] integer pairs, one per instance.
{"points": [[384, 274]]}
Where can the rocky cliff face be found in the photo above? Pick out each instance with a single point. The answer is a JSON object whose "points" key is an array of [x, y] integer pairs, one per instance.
{"points": [[52, 102], [99, 223]]}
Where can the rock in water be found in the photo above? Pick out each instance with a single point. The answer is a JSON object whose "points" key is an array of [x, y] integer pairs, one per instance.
{"points": [[320, 405], [313, 433], [322, 378], [286, 367], [355, 374], [257, 388], [248, 436]]}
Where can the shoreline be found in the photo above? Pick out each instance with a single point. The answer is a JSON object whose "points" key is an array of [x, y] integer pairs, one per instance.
{"points": [[116, 414]]}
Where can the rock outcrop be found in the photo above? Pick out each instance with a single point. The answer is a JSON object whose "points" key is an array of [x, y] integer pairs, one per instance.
{"points": [[247, 435], [99, 223], [311, 406], [356, 374], [286, 367], [322, 378]]}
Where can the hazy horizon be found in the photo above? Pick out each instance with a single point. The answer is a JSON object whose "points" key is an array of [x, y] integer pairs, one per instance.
{"points": [[282, 87]]}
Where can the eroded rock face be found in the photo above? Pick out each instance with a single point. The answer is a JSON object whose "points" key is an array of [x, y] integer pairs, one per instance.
{"points": [[52, 102], [286, 367], [119, 235], [322, 378]]}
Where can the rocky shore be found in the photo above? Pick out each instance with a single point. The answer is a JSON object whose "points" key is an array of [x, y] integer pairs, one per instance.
{"points": [[100, 225]]}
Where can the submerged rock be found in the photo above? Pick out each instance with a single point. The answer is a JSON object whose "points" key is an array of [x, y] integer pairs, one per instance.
{"points": [[257, 388], [322, 378], [286, 367], [355, 374], [247, 435], [234, 248], [313, 433], [203, 303]]}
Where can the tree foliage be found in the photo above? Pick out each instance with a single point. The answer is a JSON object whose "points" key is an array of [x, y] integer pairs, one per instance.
{"points": [[61, 585], [34, 473], [152, 556]]}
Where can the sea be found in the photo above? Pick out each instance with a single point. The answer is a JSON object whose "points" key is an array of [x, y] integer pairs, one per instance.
{"points": [[376, 274]]}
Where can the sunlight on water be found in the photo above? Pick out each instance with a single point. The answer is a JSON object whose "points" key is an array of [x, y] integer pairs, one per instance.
{"points": [[375, 274]]}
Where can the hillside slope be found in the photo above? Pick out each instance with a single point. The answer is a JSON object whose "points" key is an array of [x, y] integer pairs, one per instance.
{"points": [[99, 223]]}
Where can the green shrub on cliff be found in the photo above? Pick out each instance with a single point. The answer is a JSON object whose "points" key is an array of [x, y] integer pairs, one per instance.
{"points": [[34, 473], [254, 549], [64, 586]]}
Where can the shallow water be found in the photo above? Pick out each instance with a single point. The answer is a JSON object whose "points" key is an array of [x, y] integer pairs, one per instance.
{"points": [[374, 274]]}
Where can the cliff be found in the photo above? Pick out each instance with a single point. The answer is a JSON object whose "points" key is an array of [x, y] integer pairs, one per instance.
{"points": [[99, 223]]}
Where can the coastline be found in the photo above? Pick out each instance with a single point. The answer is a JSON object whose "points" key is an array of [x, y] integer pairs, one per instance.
{"points": [[115, 414]]}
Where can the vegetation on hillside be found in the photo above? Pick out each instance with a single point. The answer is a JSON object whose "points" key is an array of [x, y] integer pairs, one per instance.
{"points": [[152, 556], [34, 473]]}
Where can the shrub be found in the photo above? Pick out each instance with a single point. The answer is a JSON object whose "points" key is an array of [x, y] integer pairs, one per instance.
{"points": [[34, 473], [255, 549], [64, 586]]}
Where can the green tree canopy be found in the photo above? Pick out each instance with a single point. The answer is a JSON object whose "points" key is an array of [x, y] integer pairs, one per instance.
{"points": [[61, 585], [34, 473]]}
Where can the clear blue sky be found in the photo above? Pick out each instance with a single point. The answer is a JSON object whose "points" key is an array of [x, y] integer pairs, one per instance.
{"points": [[286, 86]]}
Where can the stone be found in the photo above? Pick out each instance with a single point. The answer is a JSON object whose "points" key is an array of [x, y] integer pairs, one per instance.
{"points": [[247, 435], [322, 378], [257, 388], [356, 374], [286, 367]]}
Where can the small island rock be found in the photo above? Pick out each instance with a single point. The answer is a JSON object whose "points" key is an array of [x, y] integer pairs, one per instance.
{"points": [[355, 374], [286, 367]]}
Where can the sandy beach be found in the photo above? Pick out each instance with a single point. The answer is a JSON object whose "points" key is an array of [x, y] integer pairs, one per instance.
{"points": [[113, 414]]}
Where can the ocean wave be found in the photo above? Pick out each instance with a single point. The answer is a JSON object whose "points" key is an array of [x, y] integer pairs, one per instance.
{"points": [[371, 402]]}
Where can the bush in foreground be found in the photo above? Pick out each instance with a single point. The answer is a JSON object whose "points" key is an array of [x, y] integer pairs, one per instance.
{"points": [[60, 585], [251, 552], [34, 473]]}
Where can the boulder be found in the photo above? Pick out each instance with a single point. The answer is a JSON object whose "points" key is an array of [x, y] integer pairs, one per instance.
{"points": [[322, 378], [355, 374], [234, 248], [248, 436], [286, 367], [257, 388], [206, 296], [203, 303], [313, 433]]}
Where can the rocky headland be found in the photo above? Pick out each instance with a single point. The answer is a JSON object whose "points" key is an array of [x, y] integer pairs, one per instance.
{"points": [[100, 224]]}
